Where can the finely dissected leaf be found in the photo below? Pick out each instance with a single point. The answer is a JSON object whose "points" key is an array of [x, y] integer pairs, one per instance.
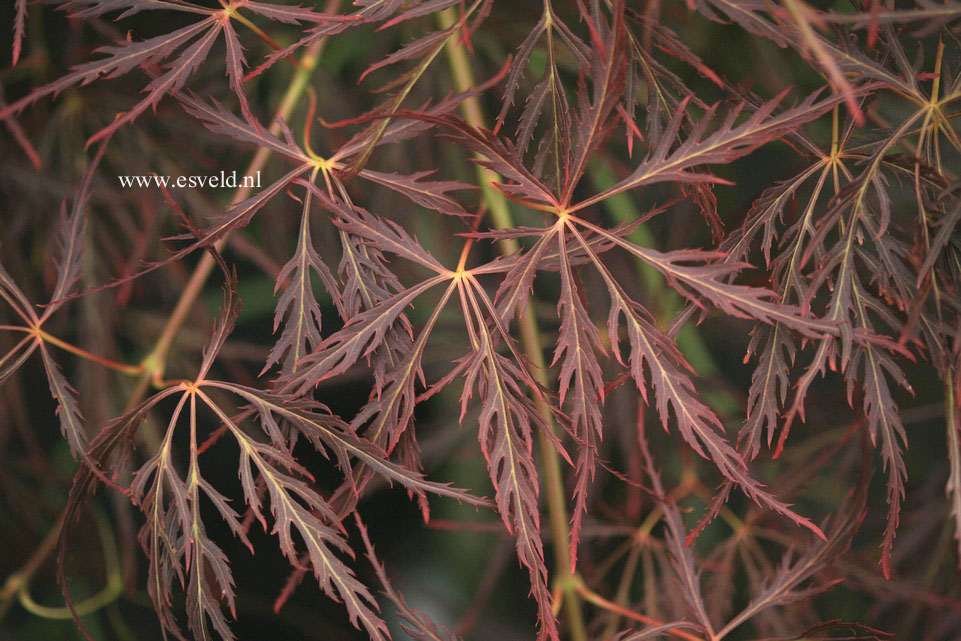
{"points": [[515, 289], [71, 422], [235, 64], [769, 383], [16, 357], [506, 440], [654, 352], [369, 11], [426, 193], [769, 386], [506, 424], [764, 216], [210, 576], [654, 631], [175, 537], [216, 118], [406, 129], [884, 423], [860, 347], [71, 253], [707, 280], [746, 14], [391, 411], [72, 228], [426, 46], [945, 230], [168, 519], [385, 234], [495, 153], [388, 414], [301, 333], [853, 225], [326, 431], [581, 380], [750, 16], [548, 95], [368, 282], [122, 59], [362, 334], [180, 70], [16, 299], [607, 69], [811, 45], [787, 585], [681, 556], [116, 436], [293, 506], [424, 51], [72, 238], [293, 13], [224, 325], [91, 8], [728, 142], [19, 29], [669, 42], [236, 217], [424, 8]]}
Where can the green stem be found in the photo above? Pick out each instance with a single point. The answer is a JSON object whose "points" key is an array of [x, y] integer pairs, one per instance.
{"points": [[13, 583], [954, 447], [531, 343], [88, 606]]}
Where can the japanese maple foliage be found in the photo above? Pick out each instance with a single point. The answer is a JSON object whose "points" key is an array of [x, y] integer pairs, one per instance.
{"points": [[517, 252]]}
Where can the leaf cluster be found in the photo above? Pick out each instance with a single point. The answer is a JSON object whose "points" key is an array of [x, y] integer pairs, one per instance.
{"points": [[498, 271]]}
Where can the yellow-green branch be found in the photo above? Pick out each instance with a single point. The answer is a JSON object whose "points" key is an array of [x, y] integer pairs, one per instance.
{"points": [[531, 343]]}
